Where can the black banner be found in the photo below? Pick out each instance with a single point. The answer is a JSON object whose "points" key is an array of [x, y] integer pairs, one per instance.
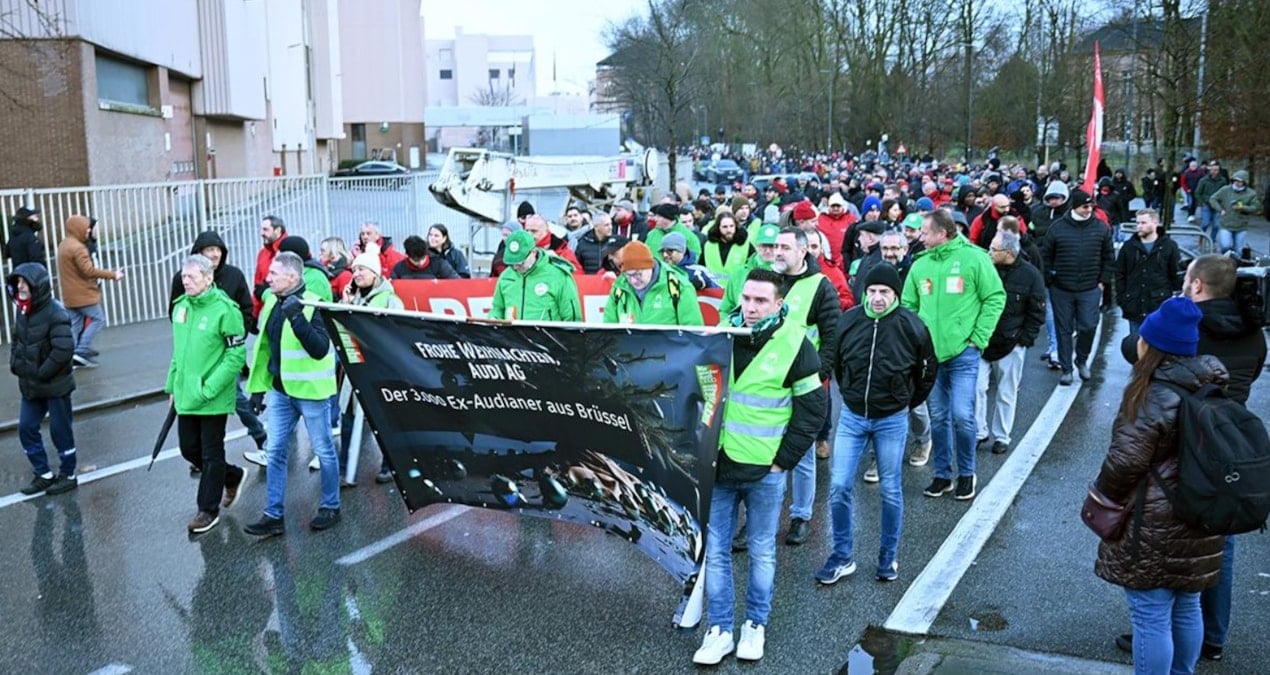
{"points": [[606, 426]]}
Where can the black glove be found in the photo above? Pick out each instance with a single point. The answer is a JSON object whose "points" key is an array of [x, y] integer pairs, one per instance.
{"points": [[292, 307], [258, 403]]}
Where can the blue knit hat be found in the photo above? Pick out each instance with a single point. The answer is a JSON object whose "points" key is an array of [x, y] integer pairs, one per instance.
{"points": [[925, 205], [870, 202], [1174, 327]]}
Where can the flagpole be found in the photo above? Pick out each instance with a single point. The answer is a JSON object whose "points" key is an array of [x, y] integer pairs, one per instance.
{"points": [[1093, 134]]}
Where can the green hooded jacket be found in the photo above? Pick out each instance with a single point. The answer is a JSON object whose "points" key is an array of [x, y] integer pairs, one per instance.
{"points": [[958, 294], [669, 301], [546, 292], [208, 352]]}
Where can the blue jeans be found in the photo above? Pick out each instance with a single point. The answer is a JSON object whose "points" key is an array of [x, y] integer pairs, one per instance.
{"points": [[1167, 630], [1215, 601], [952, 414], [86, 323], [284, 413], [889, 435], [1208, 220], [1228, 241], [762, 499], [31, 412], [1050, 331], [804, 486]]}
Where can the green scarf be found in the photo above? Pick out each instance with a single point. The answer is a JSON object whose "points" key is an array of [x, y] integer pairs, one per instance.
{"points": [[868, 309]]}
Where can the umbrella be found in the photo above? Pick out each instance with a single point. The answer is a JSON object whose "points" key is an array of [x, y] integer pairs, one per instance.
{"points": [[163, 434]]}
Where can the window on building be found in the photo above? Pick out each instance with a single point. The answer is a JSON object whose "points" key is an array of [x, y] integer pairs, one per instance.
{"points": [[120, 81], [493, 73], [447, 74]]}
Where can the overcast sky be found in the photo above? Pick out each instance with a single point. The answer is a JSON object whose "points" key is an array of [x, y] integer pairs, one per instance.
{"points": [[572, 29]]}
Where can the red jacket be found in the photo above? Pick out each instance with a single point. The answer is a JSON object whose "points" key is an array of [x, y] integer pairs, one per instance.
{"points": [[388, 256], [835, 275], [835, 229], [991, 216], [263, 260]]}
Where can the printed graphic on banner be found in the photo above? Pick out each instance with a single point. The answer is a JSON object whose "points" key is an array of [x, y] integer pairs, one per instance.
{"points": [[605, 427]]}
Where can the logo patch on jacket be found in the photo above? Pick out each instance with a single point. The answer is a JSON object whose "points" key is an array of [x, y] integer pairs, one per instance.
{"points": [[540, 289], [181, 315]]}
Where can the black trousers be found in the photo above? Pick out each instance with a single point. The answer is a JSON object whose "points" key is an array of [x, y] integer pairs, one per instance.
{"points": [[202, 439], [1075, 313]]}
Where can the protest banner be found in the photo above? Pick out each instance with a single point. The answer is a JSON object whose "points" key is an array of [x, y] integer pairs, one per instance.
{"points": [[472, 298], [615, 427]]}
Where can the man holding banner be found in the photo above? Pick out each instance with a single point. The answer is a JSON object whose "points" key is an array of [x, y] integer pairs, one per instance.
{"points": [[773, 412], [537, 284], [652, 293]]}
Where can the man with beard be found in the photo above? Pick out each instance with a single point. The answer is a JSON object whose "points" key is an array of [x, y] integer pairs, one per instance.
{"points": [[272, 232], [771, 417], [726, 249], [627, 223]]}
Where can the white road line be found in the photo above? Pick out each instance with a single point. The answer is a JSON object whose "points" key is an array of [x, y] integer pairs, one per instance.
{"points": [[366, 553], [925, 598], [106, 472], [113, 669]]}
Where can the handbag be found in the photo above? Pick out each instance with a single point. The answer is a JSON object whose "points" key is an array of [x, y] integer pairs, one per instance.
{"points": [[1104, 516]]}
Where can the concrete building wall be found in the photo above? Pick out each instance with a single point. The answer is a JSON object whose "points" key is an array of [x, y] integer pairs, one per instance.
{"points": [[237, 148], [43, 113], [471, 60], [382, 43], [232, 44], [327, 69]]}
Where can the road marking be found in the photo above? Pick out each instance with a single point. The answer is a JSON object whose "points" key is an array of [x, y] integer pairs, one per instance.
{"points": [[366, 553], [113, 669], [925, 598], [106, 472]]}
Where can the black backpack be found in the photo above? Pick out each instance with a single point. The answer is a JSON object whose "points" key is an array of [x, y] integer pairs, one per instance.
{"points": [[1223, 464]]}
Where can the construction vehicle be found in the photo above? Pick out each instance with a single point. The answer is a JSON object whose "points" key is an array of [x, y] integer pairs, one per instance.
{"points": [[483, 183]]}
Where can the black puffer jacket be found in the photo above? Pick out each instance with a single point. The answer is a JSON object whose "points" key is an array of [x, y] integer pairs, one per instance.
{"points": [[42, 348], [23, 245], [1024, 314], [227, 278], [884, 365], [1238, 343], [1169, 554], [823, 313], [1144, 280], [589, 250], [1078, 254]]}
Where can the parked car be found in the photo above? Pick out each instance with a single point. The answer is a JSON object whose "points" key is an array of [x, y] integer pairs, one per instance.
{"points": [[723, 171], [393, 172]]}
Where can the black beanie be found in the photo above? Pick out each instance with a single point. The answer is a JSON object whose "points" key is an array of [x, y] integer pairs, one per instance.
{"points": [[883, 274], [296, 245], [524, 210]]}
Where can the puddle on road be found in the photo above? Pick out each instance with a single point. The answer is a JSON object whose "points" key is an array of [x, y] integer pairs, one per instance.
{"points": [[878, 651]]}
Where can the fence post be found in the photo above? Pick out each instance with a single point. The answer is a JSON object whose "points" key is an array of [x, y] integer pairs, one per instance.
{"points": [[326, 202]]}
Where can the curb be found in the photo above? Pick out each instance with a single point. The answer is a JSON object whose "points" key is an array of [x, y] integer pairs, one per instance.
{"points": [[97, 406]]}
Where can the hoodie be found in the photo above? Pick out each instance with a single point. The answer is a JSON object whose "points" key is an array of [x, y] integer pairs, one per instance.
{"points": [[75, 266], [1043, 216], [227, 278], [24, 243], [42, 348]]}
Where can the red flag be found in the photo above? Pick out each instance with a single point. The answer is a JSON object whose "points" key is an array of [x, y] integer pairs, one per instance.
{"points": [[1093, 134]]}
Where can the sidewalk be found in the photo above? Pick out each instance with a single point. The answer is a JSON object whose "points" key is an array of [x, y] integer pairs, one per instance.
{"points": [[134, 364]]}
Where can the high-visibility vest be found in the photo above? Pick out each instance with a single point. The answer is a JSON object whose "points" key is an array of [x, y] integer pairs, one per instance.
{"points": [[303, 376], [759, 404], [799, 298], [714, 261]]}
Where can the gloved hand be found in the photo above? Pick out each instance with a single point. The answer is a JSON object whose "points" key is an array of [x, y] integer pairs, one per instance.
{"points": [[258, 403], [291, 306]]}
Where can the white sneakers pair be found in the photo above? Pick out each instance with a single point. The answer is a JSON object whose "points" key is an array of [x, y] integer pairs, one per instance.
{"points": [[718, 644]]}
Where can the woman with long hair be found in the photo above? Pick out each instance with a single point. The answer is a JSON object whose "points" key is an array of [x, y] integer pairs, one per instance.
{"points": [[334, 256], [439, 243], [1162, 563]]}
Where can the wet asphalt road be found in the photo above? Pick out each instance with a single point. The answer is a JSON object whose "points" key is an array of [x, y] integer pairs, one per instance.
{"points": [[482, 590]]}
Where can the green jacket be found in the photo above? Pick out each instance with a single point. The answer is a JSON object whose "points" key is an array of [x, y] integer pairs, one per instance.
{"points": [[669, 301], [957, 292], [316, 280], [655, 236], [547, 292], [732, 290], [1235, 207], [1207, 187], [382, 296], [208, 352]]}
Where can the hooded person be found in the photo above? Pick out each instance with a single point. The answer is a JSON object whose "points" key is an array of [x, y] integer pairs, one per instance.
{"points": [[1235, 204], [834, 224], [316, 277], [1052, 207], [24, 243], [40, 355], [81, 293], [649, 292], [226, 277]]}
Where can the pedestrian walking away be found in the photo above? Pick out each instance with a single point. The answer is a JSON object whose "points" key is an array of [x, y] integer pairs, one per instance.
{"points": [[81, 293]]}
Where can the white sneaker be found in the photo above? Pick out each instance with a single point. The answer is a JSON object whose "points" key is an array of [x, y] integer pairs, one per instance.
{"points": [[750, 647], [871, 473], [257, 457], [716, 645], [314, 464], [921, 455]]}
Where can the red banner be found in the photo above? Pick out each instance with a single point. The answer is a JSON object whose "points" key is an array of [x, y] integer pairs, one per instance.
{"points": [[1093, 133], [474, 297]]}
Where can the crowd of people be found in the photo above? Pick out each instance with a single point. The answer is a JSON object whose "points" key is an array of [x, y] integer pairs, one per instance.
{"points": [[915, 286]]}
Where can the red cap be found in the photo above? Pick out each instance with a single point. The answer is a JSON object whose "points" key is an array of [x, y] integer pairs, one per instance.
{"points": [[804, 211]]}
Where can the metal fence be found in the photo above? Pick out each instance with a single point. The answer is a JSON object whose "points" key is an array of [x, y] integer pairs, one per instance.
{"points": [[147, 229]]}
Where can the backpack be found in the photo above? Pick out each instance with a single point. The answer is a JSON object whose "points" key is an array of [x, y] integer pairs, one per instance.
{"points": [[1223, 464]]}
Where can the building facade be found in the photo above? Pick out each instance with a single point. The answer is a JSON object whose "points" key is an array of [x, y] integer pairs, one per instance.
{"points": [[478, 70]]}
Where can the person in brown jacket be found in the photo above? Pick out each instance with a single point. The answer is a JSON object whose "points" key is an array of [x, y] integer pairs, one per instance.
{"points": [[1161, 562], [80, 293]]}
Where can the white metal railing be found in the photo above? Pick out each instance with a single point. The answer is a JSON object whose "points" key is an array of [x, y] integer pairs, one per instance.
{"points": [[146, 229]]}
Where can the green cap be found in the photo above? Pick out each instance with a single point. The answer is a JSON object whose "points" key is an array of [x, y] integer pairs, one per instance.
{"points": [[517, 247], [767, 235], [913, 221]]}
